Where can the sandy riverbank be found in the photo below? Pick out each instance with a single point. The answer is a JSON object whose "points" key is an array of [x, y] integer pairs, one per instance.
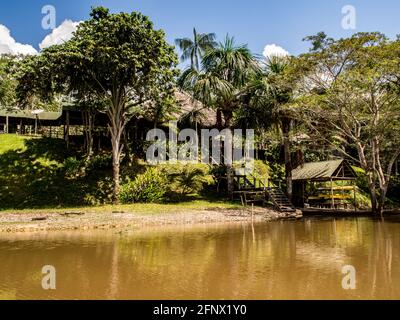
{"points": [[12, 222]]}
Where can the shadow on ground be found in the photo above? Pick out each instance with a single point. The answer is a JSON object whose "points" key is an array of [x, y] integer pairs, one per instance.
{"points": [[36, 176]]}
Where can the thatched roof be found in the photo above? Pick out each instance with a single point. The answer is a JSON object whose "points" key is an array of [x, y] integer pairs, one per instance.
{"points": [[323, 171], [207, 116]]}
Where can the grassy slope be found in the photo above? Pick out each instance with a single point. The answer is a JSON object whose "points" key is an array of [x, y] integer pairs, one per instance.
{"points": [[10, 142], [29, 179], [138, 208]]}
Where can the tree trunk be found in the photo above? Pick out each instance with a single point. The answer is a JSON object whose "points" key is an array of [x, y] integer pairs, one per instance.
{"points": [[88, 121], [117, 118], [286, 124], [116, 153], [230, 180], [219, 119], [228, 115], [372, 189], [382, 200]]}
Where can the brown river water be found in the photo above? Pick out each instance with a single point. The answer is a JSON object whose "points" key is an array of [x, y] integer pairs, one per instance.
{"points": [[278, 260]]}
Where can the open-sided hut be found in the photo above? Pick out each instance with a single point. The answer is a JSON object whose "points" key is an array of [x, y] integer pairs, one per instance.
{"points": [[327, 184]]}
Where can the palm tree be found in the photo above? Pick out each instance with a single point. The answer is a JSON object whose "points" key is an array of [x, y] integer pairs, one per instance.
{"points": [[194, 49], [224, 72], [267, 96]]}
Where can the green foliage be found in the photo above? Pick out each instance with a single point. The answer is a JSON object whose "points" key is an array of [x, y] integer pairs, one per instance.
{"points": [[361, 179], [221, 78], [149, 187], [188, 179], [348, 98], [261, 169], [277, 172], [119, 58], [363, 200], [43, 173], [108, 53], [8, 83], [101, 192], [10, 142], [32, 174], [99, 162], [72, 166]]}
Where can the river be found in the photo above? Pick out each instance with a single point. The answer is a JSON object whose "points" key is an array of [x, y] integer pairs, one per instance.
{"points": [[277, 260]]}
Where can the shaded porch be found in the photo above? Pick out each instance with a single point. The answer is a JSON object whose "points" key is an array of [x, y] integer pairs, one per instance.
{"points": [[325, 185]]}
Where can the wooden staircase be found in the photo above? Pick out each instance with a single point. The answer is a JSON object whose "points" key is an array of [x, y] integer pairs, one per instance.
{"points": [[251, 190], [280, 200]]}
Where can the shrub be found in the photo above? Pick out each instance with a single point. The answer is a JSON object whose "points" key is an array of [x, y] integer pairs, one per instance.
{"points": [[99, 191], [261, 169], [99, 162], [72, 166], [148, 187], [188, 179]]}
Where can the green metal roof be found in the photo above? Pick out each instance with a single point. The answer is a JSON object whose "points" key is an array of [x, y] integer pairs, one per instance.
{"points": [[28, 115], [324, 170]]}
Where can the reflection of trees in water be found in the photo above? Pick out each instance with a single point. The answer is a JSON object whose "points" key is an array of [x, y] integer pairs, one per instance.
{"points": [[275, 260], [385, 280]]}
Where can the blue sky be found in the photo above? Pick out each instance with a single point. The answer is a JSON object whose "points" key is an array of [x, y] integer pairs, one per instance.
{"points": [[255, 22]]}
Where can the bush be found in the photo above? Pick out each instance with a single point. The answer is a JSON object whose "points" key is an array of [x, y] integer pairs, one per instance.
{"points": [[148, 187], [261, 169], [99, 191], [72, 166], [187, 179], [99, 162]]}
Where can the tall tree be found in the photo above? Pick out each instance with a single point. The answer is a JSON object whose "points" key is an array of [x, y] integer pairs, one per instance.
{"points": [[348, 92], [121, 59], [267, 96], [7, 81], [219, 83], [194, 49]]}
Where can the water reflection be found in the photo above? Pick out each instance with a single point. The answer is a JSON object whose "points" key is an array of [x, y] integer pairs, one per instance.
{"points": [[280, 260]]}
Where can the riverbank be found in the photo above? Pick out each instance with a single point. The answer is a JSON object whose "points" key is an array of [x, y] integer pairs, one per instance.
{"points": [[131, 216]]}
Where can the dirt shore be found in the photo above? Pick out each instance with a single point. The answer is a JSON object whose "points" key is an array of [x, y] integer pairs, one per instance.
{"points": [[75, 220]]}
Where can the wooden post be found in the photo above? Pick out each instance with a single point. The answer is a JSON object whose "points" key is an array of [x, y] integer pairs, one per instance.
{"points": [[332, 195], [230, 178], [7, 130], [67, 129], [355, 195], [252, 222], [36, 124]]}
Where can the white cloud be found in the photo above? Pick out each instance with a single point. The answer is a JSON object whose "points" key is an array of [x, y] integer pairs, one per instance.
{"points": [[271, 50], [8, 45], [60, 34]]}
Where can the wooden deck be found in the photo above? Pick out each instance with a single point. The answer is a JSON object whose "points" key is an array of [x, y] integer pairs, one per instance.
{"points": [[344, 212]]}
